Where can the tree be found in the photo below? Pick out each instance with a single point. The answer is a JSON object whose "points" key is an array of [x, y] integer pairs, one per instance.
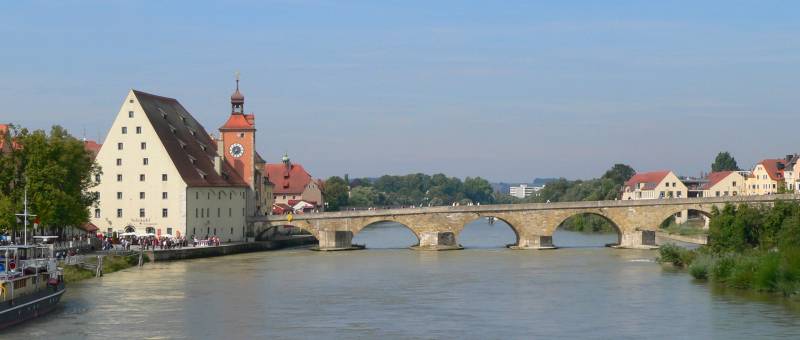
{"points": [[619, 173], [58, 173], [724, 162], [335, 193], [363, 197]]}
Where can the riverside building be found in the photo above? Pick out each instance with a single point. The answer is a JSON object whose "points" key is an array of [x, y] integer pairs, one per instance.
{"points": [[163, 173]]}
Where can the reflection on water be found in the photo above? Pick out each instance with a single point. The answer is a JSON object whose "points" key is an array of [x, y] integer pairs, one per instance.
{"points": [[476, 293]]}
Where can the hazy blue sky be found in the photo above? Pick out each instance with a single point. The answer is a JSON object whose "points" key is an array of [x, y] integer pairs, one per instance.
{"points": [[506, 90]]}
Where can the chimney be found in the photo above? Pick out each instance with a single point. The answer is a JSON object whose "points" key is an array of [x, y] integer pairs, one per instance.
{"points": [[218, 165]]}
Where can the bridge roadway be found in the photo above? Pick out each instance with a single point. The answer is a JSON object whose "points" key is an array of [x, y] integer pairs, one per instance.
{"points": [[437, 228]]}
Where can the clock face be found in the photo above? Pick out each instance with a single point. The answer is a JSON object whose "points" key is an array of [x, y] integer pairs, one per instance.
{"points": [[236, 150]]}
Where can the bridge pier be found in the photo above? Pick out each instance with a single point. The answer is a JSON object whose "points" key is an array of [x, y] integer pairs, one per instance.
{"points": [[437, 240], [535, 242], [638, 239], [333, 240]]}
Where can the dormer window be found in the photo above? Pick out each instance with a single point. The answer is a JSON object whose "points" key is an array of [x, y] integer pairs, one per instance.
{"points": [[182, 144], [172, 128], [192, 159]]}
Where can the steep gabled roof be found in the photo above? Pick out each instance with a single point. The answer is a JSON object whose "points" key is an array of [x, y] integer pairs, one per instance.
{"points": [[188, 144], [774, 168], [651, 179]]}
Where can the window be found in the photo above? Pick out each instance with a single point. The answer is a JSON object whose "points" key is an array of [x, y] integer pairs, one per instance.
{"points": [[141, 212], [97, 178], [734, 183], [138, 130], [119, 161], [119, 195], [219, 195], [119, 146], [164, 195], [119, 213], [141, 178], [164, 213], [130, 113], [145, 161], [163, 177], [197, 195], [209, 195], [241, 135], [230, 212], [124, 130], [218, 210], [196, 213], [97, 213], [717, 193], [169, 230], [143, 146], [141, 195], [231, 230], [119, 178]]}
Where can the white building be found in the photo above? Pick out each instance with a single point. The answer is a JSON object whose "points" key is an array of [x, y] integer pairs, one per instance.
{"points": [[523, 190], [164, 174]]}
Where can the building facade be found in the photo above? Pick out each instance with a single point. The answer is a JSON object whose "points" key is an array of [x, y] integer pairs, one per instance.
{"points": [[654, 185], [791, 174], [767, 177], [163, 173], [724, 183], [523, 190], [292, 185]]}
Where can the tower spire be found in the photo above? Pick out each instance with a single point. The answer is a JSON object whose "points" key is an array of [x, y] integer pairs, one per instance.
{"points": [[237, 99]]}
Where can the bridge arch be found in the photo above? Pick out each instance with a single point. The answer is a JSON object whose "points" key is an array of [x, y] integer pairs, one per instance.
{"points": [[588, 218], [373, 224], [684, 215], [263, 232], [496, 220]]}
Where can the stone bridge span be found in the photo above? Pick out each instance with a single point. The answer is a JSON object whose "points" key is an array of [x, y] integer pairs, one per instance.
{"points": [[438, 228]]}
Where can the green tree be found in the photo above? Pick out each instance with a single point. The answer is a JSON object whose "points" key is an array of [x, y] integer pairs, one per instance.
{"points": [[724, 162], [58, 173], [335, 193], [619, 173], [363, 197]]}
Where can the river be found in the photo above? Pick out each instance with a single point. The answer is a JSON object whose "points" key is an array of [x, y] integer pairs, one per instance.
{"points": [[387, 291]]}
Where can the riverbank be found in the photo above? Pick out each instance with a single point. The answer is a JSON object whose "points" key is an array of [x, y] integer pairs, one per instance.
{"points": [[229, 249], [113, 263]]}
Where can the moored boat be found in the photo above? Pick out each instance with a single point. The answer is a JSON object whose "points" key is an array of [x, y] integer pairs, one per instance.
{"points": [[31, 284]]}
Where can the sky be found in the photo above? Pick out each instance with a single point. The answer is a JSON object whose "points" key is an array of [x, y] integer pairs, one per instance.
{"points": [[505, 90]]}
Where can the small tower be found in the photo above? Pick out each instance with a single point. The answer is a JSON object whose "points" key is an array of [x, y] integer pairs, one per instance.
{"points": [[239, 138], [237, 99]]}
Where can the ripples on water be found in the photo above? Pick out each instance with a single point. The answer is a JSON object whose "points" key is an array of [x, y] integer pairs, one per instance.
{"points": [[387, 291]]}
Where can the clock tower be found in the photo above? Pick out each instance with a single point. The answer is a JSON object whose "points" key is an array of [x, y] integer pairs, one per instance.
{"points": [[239, 139]]}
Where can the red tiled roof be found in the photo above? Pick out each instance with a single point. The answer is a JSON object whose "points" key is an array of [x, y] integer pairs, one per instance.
{"points": [[3, 131], [92, 147], [280, 208], [651, 179], [287, 179], [771, 166], [188, 144], [714, 178], [240, 122]]}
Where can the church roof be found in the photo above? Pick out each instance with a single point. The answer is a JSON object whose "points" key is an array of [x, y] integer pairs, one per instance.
{"points": [[188, 144]]}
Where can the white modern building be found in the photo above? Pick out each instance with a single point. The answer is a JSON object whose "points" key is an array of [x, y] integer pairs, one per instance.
{"points": [[524, 190]]}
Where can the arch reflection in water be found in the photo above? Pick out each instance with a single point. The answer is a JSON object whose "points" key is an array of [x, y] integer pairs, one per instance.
{"points": [[586, 230], [386, 235], [487, 232], [687, 222]]}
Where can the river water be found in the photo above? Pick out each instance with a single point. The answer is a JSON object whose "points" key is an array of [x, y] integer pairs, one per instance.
{"points": [[483, 292]]}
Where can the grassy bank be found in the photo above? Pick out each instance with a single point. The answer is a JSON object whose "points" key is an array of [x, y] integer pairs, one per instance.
{"points": [[750, 247], [111, 263], [774, 271]]}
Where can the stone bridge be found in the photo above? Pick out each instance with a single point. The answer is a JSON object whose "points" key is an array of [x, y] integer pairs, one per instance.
{"points": [[438, 228]]}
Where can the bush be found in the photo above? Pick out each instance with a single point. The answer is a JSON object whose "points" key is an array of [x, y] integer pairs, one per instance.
{"points": [[722, 268], [678, 256], [743, 273], [767, 272], [701, 266]]}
